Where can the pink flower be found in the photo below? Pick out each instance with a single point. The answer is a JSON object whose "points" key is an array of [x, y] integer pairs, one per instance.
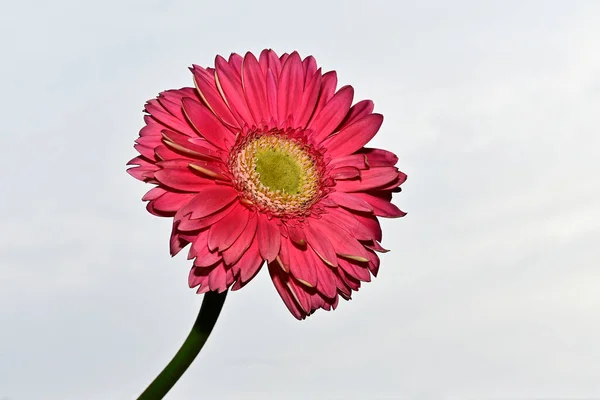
{"points": [[264, 161]]}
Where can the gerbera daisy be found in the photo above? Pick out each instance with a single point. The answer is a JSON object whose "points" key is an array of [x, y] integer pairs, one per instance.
{"points": [[264, 161]]}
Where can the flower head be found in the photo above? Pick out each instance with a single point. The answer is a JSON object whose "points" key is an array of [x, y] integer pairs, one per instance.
{"points": [[264, 161]]}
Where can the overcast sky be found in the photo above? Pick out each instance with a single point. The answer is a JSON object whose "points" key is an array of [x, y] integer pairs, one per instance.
{"points": [[492, 287]]}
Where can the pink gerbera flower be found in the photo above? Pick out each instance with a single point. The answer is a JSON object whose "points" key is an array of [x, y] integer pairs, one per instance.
{"points": [[264, 161]]}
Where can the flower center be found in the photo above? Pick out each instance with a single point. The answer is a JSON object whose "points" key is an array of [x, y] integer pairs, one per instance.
{"points": [[276, 172]]}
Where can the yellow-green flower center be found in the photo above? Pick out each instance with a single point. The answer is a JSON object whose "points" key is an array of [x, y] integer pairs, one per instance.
{"points": [[278, 170], [276, 173]]}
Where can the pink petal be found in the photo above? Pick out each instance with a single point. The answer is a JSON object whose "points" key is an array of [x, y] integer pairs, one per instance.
{"points": [[263, 60], [217, 279], [162, 152], [332, 114], [302, 264], [269, 238], [280, 280], [236, 61], [284, 255], [369, 179], [207, 124], [327, 282], [283, 58], [211, 199], [349, 201], [317, 301], [358, 111], [154, 108], [254, 83], [374, 263], [249, 265], [241, 245], [204, 256], [290, 87], [351, 248], [144, 172], [207, 89], [152, 128], [272, 93], [343, 289], [198, 276], [345, 173], [297, 235], [201, 149], [187, 224], [376, 246], [381, 207], [182, 179], [171, 101], [146, 151], [371, 222], [353, 160], [309, 99], [224, 233], [394, 185], [379, 157], [360, 272], [328, 85], [341, 243], [148, 143], [345, 220], [185, 140], [310, 67], [154, 193], [353, 136], [170, 202], [350, 281], [272, 62], [176, 242], [230, 85], [210, 170], [318, 235], [327, 202], [301, 294]]}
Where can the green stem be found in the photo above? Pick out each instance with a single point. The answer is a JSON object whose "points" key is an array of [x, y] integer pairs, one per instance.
{"points": [[207, 317]]}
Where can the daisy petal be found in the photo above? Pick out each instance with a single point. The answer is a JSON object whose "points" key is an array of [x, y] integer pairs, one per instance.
{"points": [[254, 84], [369, 179], [291, 86], [353, 136], [207, 125], [358, 111], [207, 89], [209, 200], [280, 281], [381, 207], [230, 86], [345, 173], [269, 238], [309, 99], [349, 201], [303, 265], [332, 114], [248, 265], [232, 254], [222, 235], [379, 157], [328, 85], [317, 234]]}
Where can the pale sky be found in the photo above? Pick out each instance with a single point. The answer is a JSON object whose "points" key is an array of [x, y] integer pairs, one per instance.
{"points": [[492, 287]]}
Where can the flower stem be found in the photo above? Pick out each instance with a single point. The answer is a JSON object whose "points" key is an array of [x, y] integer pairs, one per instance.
{"points": [[207, 317]]}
